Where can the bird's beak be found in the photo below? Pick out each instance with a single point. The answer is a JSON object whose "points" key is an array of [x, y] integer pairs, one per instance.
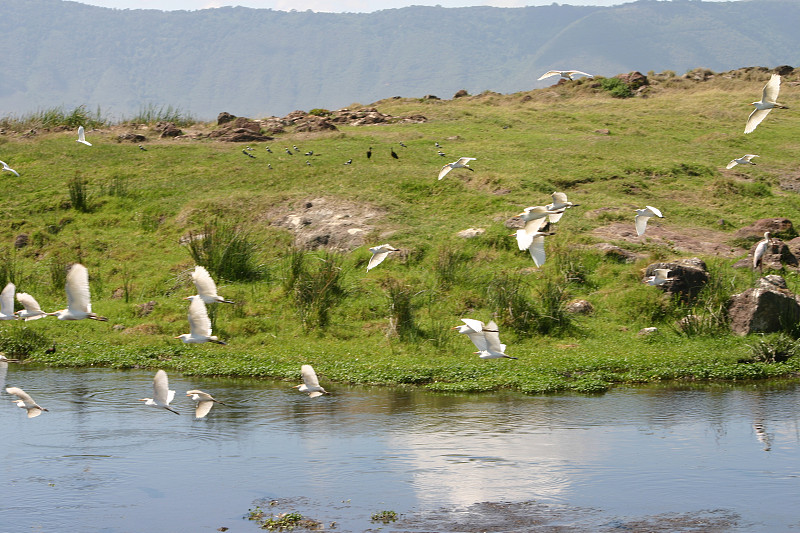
{"points": [[178, 337], [142, 399], [519, 214]]}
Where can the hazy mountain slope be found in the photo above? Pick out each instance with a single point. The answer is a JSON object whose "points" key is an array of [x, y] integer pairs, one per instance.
{"points": [[261, 62]]}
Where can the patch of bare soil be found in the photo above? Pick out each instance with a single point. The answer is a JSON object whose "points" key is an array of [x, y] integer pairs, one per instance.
{"points": [[688, 241], [537, 517], [331, 223]]}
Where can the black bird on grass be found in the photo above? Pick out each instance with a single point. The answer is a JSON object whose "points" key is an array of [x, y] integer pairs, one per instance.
{"points": [[394, 154], [369, 152]]}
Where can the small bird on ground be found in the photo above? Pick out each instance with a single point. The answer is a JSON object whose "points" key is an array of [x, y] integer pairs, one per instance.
{"points": [[7, 302], [403, 145], [441, 153], [269, 166], [348, 162], [8, 168], [744, 160], [559, 205], [296, 149], [310, 382], [26, 402], [659, 277], [288, 151], [142, 148], [461, 163], [162, 396], [268, 149], [204, 402], [308, 163], [82, 136], [394, 154], [642, 216], [206, 288], [32, 309], [565, 74], [494, 349], [767, 103], [79, 304], [379, 253], [760, 251], [248, 154], [369, 152], [309, 153], [199, 324]]}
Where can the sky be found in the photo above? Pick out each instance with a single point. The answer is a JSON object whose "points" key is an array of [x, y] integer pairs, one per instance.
{"points": [[334, 6]]}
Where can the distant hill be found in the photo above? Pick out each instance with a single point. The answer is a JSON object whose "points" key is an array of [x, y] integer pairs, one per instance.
{"points": [[259, 62]]}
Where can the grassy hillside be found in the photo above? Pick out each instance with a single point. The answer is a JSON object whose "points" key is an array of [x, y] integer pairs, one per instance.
{"points": [[392, 325]]}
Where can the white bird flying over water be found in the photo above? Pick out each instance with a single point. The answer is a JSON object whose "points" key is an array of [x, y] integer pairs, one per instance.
{"points": [[310, 382], [565, 74], [7, 302], [26, 402], [559, 205], [379, 253], [8, 168], [461, 163], [659, 277], [82, 137], [768, 102], [494, 349], [162, 396], [474, 330], [204, 402], [206, 288], [760, 251], [78, 300], [32, 309], [199, 324], [744, 160], [642, 215]]}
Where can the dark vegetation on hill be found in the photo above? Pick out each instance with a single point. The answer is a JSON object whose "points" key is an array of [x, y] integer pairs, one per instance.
{"points": [[255, 62]]}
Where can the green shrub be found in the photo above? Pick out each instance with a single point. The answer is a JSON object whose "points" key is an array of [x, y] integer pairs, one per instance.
{"points": [[227, 251], [22, 341], [616, 87], [319, 112]]}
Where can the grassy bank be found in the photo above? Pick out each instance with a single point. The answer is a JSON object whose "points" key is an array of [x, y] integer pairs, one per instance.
{"points": [[131, 216]]}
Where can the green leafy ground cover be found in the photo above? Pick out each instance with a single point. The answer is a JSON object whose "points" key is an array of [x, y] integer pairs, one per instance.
{"points": [[393, 324]]}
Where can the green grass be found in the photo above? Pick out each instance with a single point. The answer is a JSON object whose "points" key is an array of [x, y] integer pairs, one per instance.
{"points": [[143, 212]]}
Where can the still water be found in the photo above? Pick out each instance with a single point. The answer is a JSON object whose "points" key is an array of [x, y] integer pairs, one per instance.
{"points": [[632, 459]]}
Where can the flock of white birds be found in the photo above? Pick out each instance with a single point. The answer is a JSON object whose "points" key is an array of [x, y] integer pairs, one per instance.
{"points": [[485, 337]]}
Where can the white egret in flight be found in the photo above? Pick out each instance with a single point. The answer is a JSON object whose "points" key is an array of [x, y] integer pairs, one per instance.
{"points": [[162, 396], [79, 305], [206, 288], [643, 215], [379, 253], [199, 324], [204, 402], [310, 382], [461, 163], [82, 137], [26, 402], [768, 102]]}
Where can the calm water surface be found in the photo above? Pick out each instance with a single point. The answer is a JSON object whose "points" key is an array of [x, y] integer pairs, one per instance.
{"points": [[100, 461]]}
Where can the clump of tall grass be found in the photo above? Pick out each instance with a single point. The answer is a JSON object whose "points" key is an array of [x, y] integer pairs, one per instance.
{"points": [[57, 268], [316, 289], [708, 313], [152, 114], [401, 309], [79, 194], [54, 117], [450, 264], [552, 309], [508, 296], [774, 349], [227, 251], [9, 272], [22, 341]]}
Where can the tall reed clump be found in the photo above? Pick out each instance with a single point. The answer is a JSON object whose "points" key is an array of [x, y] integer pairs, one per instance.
{"points": [[79, 194], [507, 296], [22, 341], [450, 264], [401, 309], [317, 288], [8, 267], [152, 114], [53, 117], [708, 313], [227, 251]]}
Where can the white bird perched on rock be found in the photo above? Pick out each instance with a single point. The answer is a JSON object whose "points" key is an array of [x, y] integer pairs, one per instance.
{"points": [[559, 205], [8, 168], [7, 302], [474, 330], [204, 402], [199, 324], [565, 74], [534, 218], [744, 160], [461, 163], [32, 309], [78, 299], [379, 253], [659, 277], [206, 288], [82, 136], [760, 251], [162, 396], [26, 402], [310, 382], [768, 102], [642, 215], [494, 349]]}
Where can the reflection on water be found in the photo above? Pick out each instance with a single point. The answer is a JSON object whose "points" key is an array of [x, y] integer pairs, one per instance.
{"points": [[101, 461]]}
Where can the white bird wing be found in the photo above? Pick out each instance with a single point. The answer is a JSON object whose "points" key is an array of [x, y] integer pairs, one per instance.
{"points": [[22, 395], [199, 323], [28, 302], [655, 211], [475, 325], [309, 377], [574, 72], [8, 168], [641, 223], [732, 164], [492, 336], [445, 169], [555, 217], [203, 282], [537, 250], [478, 339], [523, 239], [202, 408], [161, 393], [7, 300], [559, 199], [755, 119], [465, 160], [532, 226], [550, 73], [376, 259], [771, 89], [748, 157], [77, 287], [82, 136], [662, 274]]}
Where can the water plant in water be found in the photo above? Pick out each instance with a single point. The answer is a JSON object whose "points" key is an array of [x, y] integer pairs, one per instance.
{"points": [[384, 516]]}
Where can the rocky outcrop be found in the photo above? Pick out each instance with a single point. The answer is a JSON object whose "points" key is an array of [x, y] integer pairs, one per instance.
{"points": [[777, 256], [580, 307], [781, 227], [131, 137], [767, 308], [168, 129], [688, 276], [634, 80]]}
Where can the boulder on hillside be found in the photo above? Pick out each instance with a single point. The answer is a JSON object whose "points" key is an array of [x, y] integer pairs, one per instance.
{"points": [[131, 137], [315, 123], [770, 307], [616, 253], [168, 129], [781, 227], [634, 80], [688, 275], [224, 118]]}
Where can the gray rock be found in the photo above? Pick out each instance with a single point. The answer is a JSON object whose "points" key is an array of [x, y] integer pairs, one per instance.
{"points": [[580, 307], [470, 233], [767, 308], [688, 275]]}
